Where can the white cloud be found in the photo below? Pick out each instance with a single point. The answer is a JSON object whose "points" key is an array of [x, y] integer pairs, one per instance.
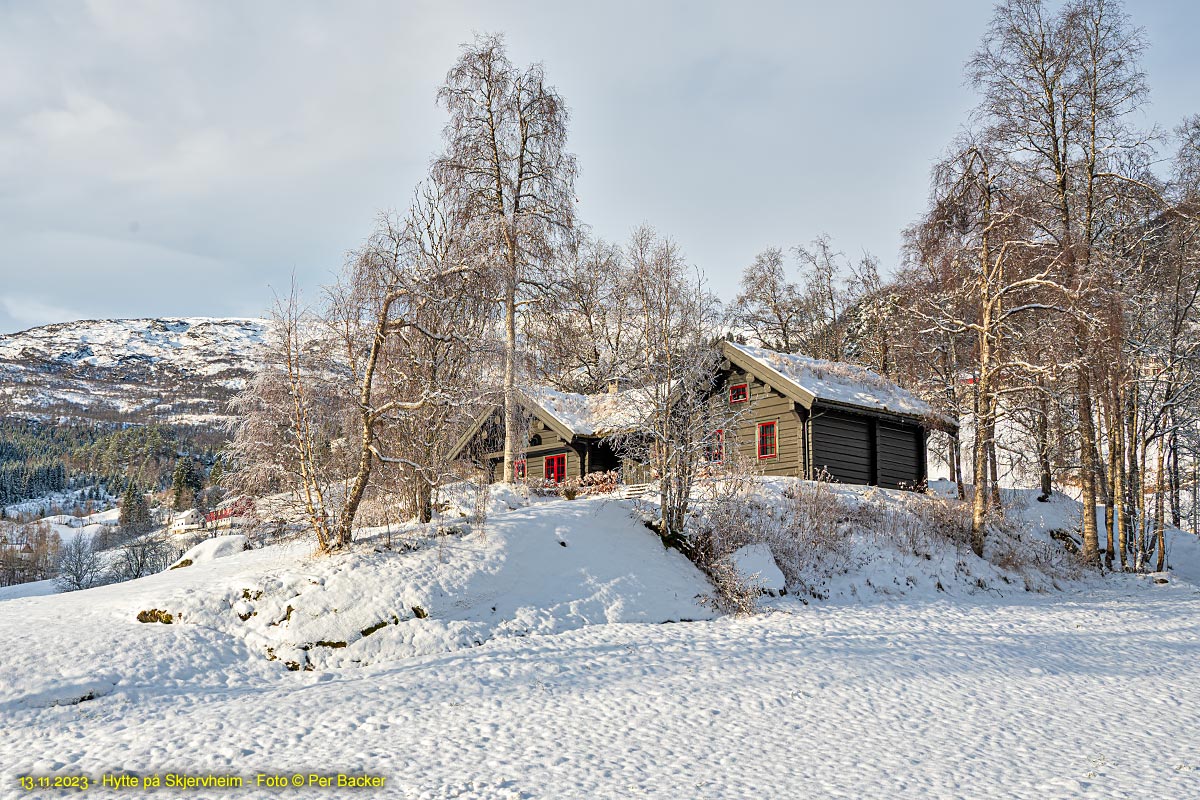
{"points": [[31, 312], [80, 117], [248, 140]]}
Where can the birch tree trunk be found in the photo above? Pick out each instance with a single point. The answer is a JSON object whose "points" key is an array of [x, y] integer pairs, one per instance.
{"points": [[1160, 518], [1120, 515], [1087, 469], [512, 427], [1043, 442]]}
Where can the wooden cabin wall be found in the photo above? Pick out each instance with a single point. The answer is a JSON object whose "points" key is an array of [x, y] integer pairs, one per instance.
{"points": [[550, 444], [843, 447], [765, 405], [901, 456], [535, 464], [865, 449]]}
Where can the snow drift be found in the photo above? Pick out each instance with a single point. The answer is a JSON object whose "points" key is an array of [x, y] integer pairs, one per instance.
{"points": [[243, 615]]}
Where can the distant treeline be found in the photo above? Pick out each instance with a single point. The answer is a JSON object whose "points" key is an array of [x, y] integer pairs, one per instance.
{"points": [[38, 458]]}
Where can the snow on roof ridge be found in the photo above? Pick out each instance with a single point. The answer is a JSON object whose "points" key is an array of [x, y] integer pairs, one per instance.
{"points": [[840, 382], [585, 414]]}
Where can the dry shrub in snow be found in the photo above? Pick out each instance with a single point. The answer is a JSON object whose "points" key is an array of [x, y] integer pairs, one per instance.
{"points": [[594, 483], [1041, 563], [733, 592], [600, 483], [800, 526], [817, 530], [923, 524], [916, 524]]}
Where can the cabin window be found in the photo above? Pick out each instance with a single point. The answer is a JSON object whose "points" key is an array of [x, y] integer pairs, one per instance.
{"points": [[766, 440], [535, 440], [739, 393], [714, 448], [556, 468], [519, 468]]}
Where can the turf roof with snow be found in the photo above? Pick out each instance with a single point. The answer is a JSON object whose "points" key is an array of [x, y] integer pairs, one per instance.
{"points": [[839, 382]]}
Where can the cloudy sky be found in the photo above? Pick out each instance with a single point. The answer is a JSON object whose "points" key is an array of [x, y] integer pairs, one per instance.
{"points": [[161, 158]]}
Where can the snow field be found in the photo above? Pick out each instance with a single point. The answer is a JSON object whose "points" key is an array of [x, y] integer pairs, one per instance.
{"points": [[231, 614], [545, 569], [515, 684], [1033, 697]]}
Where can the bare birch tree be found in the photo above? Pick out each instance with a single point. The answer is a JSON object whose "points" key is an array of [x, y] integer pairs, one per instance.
{"points": [[433, 376], [381, 376], [979, 220], [1057, 88], [505, 152], [580, 328], [286, 419], [677, 324], [770, 306]]}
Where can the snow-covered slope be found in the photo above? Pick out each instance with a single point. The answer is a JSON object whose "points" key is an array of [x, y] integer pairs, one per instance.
{"points": [[238, 614], [1091, 693], [169, 369]]}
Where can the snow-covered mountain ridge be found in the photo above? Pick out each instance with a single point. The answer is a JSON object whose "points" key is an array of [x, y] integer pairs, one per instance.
{"points": [[170, 369]]}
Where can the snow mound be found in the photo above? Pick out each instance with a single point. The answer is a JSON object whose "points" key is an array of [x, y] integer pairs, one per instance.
{"points": [[461, 499], [757, 566], [249, 615], [30, 589], [214, 548], [544, 569], [45, 691]]}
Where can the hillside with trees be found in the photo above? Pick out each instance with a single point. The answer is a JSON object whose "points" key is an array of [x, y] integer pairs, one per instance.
{"points": [[1047, 300]]}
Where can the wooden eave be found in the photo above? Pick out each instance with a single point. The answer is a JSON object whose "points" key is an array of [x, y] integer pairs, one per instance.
{"points": [[769, 376], [776, 380], [544, 416]]}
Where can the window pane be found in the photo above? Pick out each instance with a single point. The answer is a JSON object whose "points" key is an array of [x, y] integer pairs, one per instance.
{"points": [[766, 440]]}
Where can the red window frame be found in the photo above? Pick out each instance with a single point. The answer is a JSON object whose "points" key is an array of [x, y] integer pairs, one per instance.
{"points": [[739, 393], [714, 450], [557, 473], [519, 467], [768, 440]]}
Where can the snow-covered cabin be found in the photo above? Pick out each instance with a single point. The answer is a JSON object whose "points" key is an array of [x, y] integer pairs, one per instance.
{"points": [[569, 434], [791, 416], [805, 416]]}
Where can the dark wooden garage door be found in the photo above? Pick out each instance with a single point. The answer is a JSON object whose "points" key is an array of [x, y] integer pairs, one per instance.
{"points": [[842, 445], [900, 451]]}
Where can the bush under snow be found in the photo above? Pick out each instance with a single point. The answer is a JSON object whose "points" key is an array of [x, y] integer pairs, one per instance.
{"points": [[856, 542]]}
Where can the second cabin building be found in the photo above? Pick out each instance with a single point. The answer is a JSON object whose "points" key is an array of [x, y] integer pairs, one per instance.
{"points": [[787, 415]]}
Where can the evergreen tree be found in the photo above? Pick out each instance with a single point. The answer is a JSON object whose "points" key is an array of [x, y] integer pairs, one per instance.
{"points": [[134, 517], [186, 483], [218, 469]]}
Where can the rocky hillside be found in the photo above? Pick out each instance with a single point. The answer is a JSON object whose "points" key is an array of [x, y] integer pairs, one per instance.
{"points": [[170, 370]]}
